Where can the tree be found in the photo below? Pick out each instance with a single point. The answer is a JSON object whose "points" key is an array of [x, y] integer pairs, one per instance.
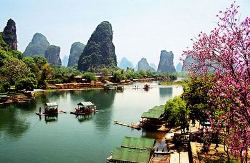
{"points": [[176, 113], [119, 75], [46, 73], [196, 91], [226, 51], [4, 84], [26, 83], [30, 62], [14, 69], [40, 61], [64, 74], [89, 76]]}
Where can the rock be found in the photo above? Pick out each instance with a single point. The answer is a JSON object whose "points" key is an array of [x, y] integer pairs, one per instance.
{"points": [[100, 50], [52, 54], [166, 63], [143, 65], [75, 52], [187, 63], [37, 46], [9, 34], [179, 67], [125, 63]]}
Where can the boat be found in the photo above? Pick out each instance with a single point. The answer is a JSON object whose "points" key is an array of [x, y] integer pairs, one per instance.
{"points": [[50, 109], [120, 88], [110, 86], [146, 87], [84, 108]]}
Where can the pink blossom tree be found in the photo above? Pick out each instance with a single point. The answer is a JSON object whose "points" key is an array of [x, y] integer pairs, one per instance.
{"points": [[225, 53]]}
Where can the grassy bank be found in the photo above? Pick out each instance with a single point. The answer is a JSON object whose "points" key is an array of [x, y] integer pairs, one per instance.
{"points": [[179, 82]]}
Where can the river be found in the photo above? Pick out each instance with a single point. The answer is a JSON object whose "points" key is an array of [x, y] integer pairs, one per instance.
{"points": [[26, 138]]}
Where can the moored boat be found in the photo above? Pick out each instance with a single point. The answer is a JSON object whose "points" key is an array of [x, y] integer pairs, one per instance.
{"points": [[120, 88], [84, 108], [50, 109], [110, 86], [146, 87]]}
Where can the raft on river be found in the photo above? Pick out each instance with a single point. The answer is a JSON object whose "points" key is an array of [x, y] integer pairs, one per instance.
{"points": [[50, 109], [84, 108]]}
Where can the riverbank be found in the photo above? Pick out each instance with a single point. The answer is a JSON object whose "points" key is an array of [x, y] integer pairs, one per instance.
{"points": [[168, 83], [16, 98], [27, 96]]}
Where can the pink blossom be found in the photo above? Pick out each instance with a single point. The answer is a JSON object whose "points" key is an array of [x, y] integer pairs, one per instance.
{"points": [[225, 51]]}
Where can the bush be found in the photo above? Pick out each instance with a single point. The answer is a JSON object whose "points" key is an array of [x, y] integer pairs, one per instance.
{"points": [[4, 86], [176, 112], [89, 76], [27, 83], [118, 76], [42, 84]]}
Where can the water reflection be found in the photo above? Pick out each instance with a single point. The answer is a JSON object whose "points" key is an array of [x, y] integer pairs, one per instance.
{"points": [[11, 124], [103, 101], [27, 108], [52, 118], [166, 92], [84, 118]]}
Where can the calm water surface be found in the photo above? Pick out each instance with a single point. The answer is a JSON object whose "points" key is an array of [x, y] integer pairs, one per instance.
{"points": [[26, 138]]}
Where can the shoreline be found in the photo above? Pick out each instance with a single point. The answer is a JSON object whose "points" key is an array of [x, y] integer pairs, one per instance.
{"points": [[28, 96]]}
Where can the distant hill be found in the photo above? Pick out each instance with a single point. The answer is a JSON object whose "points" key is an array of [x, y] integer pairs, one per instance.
{"points": [[9, 34], [143, 65], [125, 63], [52, 54], [75, 52], [100, 50], [38, 45], [179, 67], [166, 63]]}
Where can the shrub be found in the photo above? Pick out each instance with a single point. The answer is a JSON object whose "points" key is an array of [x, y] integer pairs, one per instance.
{"points": [[27, 83]]}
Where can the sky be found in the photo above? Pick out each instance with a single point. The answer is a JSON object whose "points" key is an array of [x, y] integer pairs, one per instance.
{"points": [[141, 28]]}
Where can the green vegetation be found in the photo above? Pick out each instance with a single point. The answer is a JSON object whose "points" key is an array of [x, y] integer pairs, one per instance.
{"points": [[180, 82], [176, 113], [3, 45], [89, 76], [196, 95], [26, 83], [35, 72], [193, 104], [63, 74]]}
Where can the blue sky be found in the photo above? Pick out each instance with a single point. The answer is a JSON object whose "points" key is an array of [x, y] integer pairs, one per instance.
{"points": [[142, 28]]}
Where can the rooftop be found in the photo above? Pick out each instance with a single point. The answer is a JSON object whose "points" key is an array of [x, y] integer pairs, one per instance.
{"points": [[51, 104], [154, 113], [138, 143], [87, 103], [130, 155]]}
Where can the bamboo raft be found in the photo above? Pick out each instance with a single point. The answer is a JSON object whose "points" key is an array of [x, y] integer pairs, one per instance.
{"points": [[132, 125]]}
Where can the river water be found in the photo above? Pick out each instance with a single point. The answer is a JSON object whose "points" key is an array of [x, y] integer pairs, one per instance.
{"points": [[26, 138]]}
